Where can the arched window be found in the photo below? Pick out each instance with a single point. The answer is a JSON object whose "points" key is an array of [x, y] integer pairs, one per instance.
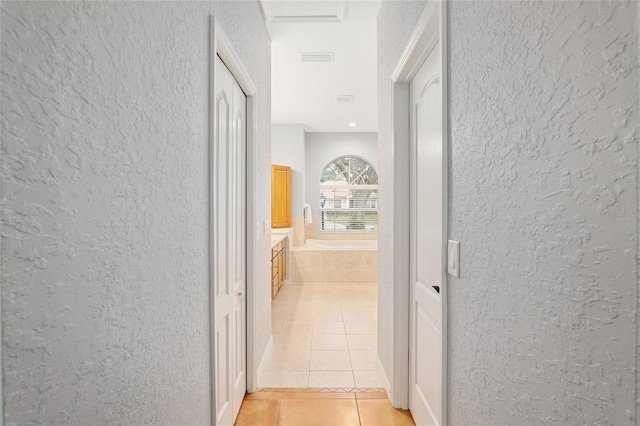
{"points": [[349, 196]]}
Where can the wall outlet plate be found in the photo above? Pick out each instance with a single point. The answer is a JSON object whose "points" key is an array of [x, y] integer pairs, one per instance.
{"points": [[453, 258]]}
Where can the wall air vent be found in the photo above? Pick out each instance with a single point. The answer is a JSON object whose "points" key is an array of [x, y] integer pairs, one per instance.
{"points": [[345, 98], [316, 56]]}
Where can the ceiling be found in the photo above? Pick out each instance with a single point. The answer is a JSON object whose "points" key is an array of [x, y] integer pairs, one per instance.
{"points": [[307, 92]]}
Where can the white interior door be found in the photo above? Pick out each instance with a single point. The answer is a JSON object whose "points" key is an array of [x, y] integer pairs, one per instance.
{"points": [[426, 258], [229, 246]]}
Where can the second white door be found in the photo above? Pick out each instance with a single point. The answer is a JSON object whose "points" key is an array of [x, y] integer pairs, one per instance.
{"points": [[229, 245], [426, 255]]}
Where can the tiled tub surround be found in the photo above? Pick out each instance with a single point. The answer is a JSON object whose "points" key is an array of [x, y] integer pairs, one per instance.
{"points": [[324, 336], [302, 232], [313, 231], [319, 265]]}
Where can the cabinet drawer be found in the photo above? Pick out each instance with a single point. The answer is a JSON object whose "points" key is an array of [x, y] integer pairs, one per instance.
{"points": [[274, 285]]}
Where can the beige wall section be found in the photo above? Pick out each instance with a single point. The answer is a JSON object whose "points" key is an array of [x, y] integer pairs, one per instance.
{"points": [[105, 126]]}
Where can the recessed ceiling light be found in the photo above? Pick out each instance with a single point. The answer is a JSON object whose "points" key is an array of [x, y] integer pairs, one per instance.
{"points": [[352, 124], [316, 56], [345, 98]]}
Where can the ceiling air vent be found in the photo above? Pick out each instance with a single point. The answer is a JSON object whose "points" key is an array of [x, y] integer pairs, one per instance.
{"points": [[345, 98], [316, 56]]}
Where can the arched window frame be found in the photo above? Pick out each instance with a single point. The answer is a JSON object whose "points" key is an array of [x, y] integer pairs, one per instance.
{"points": [[349, 204]]}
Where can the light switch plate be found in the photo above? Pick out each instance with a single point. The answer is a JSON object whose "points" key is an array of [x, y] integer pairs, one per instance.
{"points": [[453, 258], [267, 226]]}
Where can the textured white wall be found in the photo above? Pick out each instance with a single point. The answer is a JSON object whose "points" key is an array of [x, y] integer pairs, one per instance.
{"points": [[288, 149], [543, 197], [396, 21], [543, 200], [104, 207], [324, 147], [637, 412]]}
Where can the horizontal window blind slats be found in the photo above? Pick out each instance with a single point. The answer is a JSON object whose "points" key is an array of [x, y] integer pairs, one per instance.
{"points": [[349, 208]]}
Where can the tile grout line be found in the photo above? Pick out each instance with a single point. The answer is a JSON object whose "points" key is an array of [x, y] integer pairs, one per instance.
{"points": [[279, 409], [358, 408]]}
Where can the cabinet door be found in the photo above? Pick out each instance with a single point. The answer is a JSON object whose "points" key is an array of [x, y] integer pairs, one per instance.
{"points": [[280, 196], [274, 285], [284, 261], [281, 267]]}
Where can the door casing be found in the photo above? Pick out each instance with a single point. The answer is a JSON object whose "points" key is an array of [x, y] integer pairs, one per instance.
{"points": [[431, 28], [219, 45]]}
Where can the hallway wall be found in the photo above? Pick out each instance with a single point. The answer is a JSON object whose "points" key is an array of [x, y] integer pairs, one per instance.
{"points": [[105, 298], [543, 193], [396, 21]]}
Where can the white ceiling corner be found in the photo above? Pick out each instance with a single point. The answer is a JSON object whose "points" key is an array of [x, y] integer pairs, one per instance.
{"points": [[307, 92]]}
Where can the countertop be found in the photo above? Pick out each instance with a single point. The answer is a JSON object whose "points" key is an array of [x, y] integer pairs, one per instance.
{"points": [[276, 239], [279, 234]]}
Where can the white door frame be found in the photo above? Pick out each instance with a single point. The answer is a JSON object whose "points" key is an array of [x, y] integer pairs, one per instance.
{"points": [[431, 28], [219, 45]]}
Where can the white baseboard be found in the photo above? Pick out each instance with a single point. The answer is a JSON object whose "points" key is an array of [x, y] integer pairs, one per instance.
{"points": [[383, 376], [263, 361]]}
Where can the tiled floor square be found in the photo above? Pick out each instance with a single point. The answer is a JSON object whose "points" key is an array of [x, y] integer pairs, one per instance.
{"points": [[329, 342], [360, 327], [284, 379], [380, 412], [287, 359], [292, 340], [363, 360], [362, 342], [331, 379], [367, 379], [330, 360], [258, 412], [318, 412], [328, 327]]}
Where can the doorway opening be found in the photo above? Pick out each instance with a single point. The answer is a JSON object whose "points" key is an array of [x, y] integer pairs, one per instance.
{"points": [[324, 207], [420, 194]]}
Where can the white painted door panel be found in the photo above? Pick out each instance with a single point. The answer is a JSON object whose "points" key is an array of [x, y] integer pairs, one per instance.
{"points": [[229, 245], [237, 215], [426, 262]]}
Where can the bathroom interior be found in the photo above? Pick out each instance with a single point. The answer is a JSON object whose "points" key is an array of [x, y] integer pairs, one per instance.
{"points": [[324, 229]]}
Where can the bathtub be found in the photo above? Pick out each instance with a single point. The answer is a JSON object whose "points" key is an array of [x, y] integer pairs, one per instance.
{"points": [[335, 261], [341, 244]]}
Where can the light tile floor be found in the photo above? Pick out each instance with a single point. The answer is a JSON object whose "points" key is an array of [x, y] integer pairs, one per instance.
{"points": [[297, 407], [324, 337]]}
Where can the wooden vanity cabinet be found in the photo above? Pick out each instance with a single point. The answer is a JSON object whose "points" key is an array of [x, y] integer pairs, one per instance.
{"points": [[278, 266]]}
